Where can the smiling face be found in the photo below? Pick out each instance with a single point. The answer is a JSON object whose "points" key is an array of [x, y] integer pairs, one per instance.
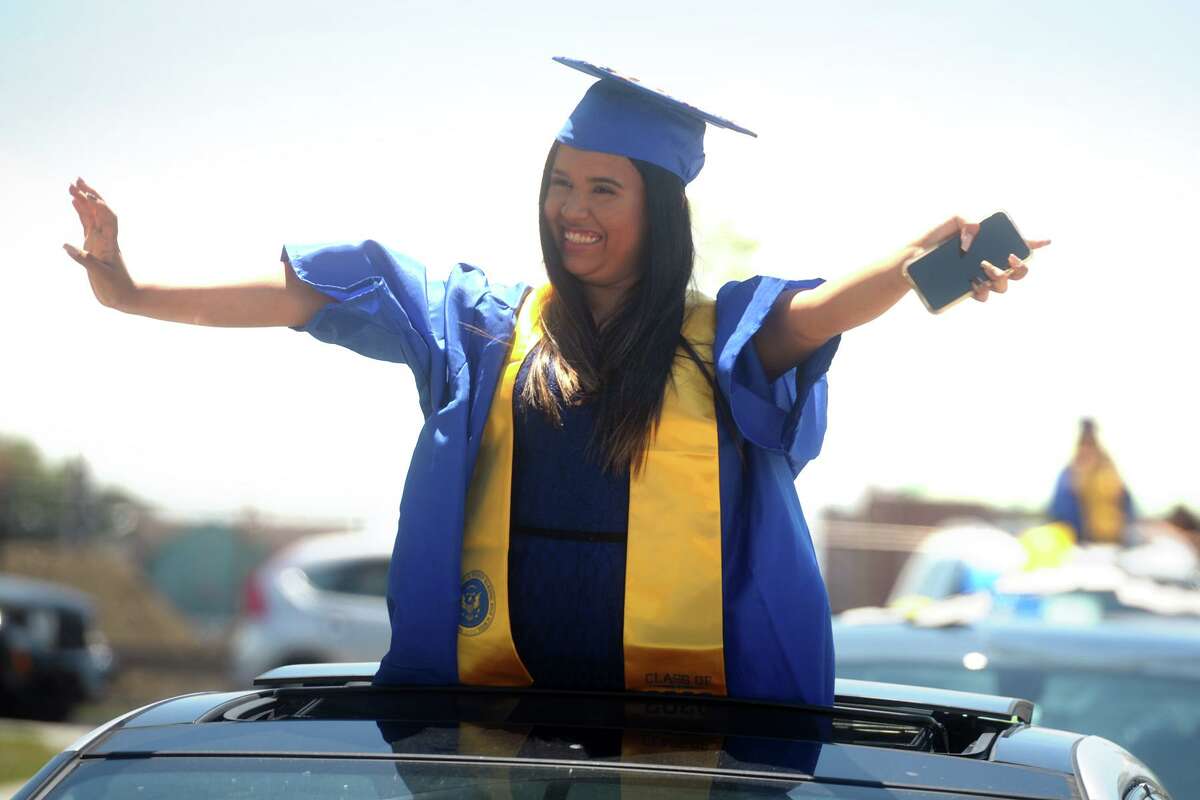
{"points": [[596, 211]]}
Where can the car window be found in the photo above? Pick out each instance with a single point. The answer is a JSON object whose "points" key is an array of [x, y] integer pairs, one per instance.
{"points": [[1156, 719], [363, 577], [928, 575], [367, 577], [210, 778]]}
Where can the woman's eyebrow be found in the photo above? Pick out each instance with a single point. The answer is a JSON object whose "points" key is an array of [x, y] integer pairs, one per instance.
{"points": [[558, 173], [609, 181]]}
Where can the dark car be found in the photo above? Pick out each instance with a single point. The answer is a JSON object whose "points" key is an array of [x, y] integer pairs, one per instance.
{"points": [[52, 656], [324, 731], [1134, 679]]}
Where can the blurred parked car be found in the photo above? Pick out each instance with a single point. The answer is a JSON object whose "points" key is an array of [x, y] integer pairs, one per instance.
{"points": [[1135, 681], [317, 731], [957, 559], [319, 600], [52, 655]]}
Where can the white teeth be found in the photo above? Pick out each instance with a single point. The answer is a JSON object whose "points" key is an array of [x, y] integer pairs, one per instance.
{"points": [[580, 238]]}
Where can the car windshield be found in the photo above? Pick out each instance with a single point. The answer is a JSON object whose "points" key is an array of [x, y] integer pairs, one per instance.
{"points": [[1155, 718], [208, 778]]}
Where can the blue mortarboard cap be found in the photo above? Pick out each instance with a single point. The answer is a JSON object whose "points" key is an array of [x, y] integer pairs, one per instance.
{"points": [[624, 117]]}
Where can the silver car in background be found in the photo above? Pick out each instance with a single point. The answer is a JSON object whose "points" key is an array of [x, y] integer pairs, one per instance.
{"points": [[318, 600]]}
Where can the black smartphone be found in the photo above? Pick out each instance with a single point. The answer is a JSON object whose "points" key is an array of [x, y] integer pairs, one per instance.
{"points": [[943, 276]]}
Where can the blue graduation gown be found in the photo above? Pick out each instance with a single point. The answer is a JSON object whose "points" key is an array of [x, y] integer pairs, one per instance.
{"points": [[453, 334]]}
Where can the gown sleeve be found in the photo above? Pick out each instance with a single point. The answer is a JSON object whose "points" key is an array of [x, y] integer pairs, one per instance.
{"points": [[786, 415], [384, 307], [1064, 505]]}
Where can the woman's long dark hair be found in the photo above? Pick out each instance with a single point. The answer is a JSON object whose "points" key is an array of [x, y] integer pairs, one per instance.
{"points": [[624, 364]]}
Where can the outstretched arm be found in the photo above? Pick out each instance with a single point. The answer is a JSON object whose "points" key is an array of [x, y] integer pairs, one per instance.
{"points": [[281, 299], [803, 321]]}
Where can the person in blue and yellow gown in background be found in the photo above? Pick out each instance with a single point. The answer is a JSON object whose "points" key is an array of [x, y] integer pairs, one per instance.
{"points": [[602, 495], [1090, 494]]}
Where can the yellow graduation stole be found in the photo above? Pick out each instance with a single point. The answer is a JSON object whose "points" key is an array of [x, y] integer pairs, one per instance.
{"points": [[1101, 499], [673, 634]]}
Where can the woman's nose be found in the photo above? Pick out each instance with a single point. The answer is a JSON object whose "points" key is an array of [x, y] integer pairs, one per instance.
{"points": [[574, 206]]}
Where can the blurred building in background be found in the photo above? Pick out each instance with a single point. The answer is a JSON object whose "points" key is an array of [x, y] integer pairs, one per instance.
{"points": [[201, 566]]}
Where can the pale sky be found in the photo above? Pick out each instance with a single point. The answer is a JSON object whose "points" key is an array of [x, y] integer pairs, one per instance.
{"points": [[220, 130]]}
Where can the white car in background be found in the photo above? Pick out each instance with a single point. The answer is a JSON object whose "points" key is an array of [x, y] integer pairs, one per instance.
{"points": [[318, 600], [954, 560]]}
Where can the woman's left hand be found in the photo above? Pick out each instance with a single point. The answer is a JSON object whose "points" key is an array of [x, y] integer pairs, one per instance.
{"points": [[997, 278]]}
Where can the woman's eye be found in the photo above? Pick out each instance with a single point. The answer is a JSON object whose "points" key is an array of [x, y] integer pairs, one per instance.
{"points": [[602, 189], [559, 182]]}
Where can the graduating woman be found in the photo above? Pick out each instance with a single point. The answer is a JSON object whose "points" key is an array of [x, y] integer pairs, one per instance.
{"points": [[602, 495]]}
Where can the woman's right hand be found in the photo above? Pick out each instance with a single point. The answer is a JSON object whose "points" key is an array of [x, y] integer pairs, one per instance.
{"points": [[100, 256]]}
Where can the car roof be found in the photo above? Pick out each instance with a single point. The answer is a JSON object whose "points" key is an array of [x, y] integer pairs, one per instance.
{"points": [[850, 692], [887, 735], [334, 547], [21, 591]]}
